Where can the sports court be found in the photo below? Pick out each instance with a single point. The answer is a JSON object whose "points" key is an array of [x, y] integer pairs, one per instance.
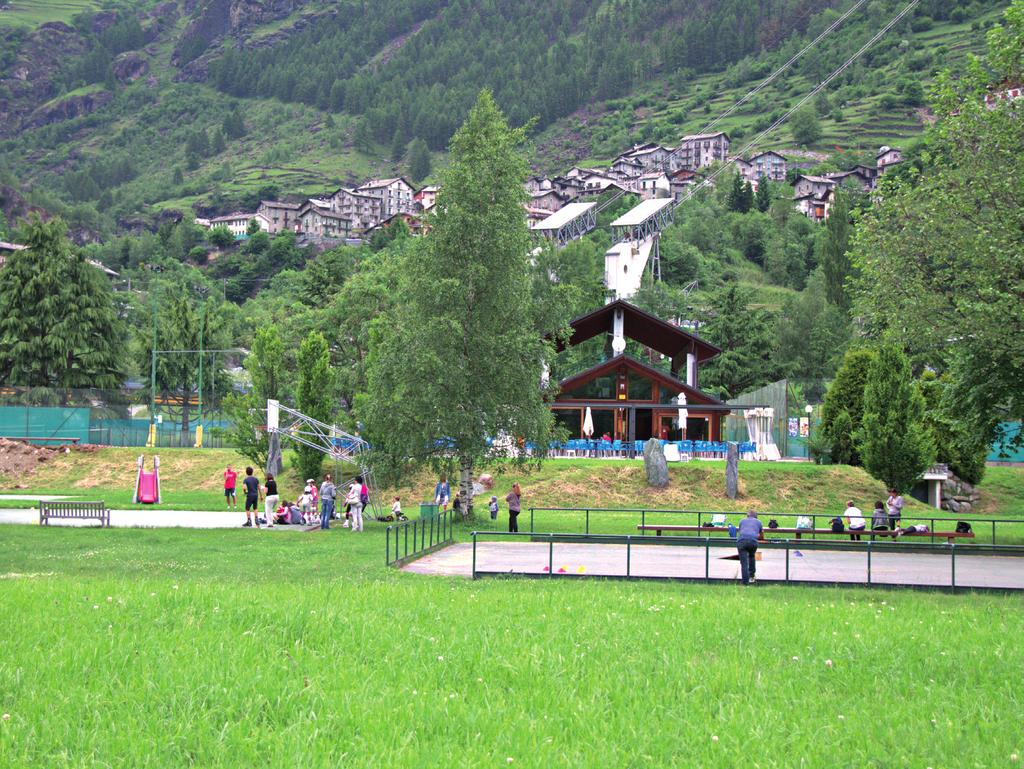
{"points": [[892, 565]]}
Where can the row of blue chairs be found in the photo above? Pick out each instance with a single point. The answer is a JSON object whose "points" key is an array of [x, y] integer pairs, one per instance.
{"points": [[582, 446]]}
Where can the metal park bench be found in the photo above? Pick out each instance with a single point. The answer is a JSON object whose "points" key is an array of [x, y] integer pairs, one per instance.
{"points": [[83, 510], [949, 536]]}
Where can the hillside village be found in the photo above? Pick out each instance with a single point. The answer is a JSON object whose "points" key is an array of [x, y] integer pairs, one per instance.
{"points": [[650, 171]]}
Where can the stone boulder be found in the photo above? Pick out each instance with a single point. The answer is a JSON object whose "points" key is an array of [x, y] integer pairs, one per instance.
{"points": [[129, 67], [732, 470], [69, 108], [655, 464]]}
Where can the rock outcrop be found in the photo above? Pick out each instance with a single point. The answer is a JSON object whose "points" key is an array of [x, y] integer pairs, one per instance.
{"points": [[69, 108], [130, 66]]}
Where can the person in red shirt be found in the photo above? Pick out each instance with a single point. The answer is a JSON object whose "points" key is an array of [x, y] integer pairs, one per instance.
{"points": [[230, 477]]}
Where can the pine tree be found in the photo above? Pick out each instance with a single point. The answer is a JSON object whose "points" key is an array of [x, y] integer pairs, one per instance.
{"points": [[745, 337], [846, 396], [58, 325], [894, 442], [419, 160], [219, 144], [835, 260], [315, 395], [763, 200], [736, 200], [178, 178], [447, 369]]}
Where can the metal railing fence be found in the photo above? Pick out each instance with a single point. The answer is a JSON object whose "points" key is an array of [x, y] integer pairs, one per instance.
{"points": [[704, 517], [793, 550], [426, 534]]}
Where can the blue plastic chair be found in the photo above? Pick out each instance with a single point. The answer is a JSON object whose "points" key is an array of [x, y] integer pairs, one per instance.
{"points": [[685, 447], [617, 448]]}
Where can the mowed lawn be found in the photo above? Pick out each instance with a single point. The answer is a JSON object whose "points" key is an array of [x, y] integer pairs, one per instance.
{"points": [[240, 648]]}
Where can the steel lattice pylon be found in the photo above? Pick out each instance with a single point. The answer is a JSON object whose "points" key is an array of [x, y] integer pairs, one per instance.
{"points": [[341, 446]]}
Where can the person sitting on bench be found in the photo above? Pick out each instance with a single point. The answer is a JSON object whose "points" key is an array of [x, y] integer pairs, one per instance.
{"points": [[879, 518], [854, 521]]}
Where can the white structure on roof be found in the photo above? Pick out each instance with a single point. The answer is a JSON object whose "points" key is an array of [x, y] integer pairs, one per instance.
{"points": [[572, 221]]}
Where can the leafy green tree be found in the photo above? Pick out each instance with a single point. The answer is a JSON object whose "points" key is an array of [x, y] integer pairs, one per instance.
{"points": [[812, 334], [248, 412], [804, 126], [220, 237], [252, 228], [835, 259], [218, 144], [894, 442], [744, 334], [314, 396], [956, 444], [846, 397], [458, 360], [58, 324], [419, 160], [940, 253], [4, 234]]}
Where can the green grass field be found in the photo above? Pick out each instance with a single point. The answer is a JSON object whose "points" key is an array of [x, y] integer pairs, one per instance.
{"points": [[31, 13], [151, 648]]}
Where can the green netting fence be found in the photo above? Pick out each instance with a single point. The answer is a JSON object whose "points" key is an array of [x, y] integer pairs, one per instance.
{"points": [[103, 417]]}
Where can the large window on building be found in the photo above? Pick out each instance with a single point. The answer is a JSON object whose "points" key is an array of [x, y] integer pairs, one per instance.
{"points": [[602, 388], [571, 420], [640, 387]]}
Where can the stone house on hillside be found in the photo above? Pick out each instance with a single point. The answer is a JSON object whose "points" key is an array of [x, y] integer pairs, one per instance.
{"points": [[319, 222], [363, 211], [396, 195], [886, 158], [547, 200], [701, 150], [280, 216], [426, 198], [654, 184], [859, 178], [769, 164]]}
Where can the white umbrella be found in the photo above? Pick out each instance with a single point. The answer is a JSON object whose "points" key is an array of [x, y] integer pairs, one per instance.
{"points": [[683, 413], [588, 423]]}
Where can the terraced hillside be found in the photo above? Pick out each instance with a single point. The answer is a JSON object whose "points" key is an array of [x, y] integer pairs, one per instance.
{"points": [[135, 80]]}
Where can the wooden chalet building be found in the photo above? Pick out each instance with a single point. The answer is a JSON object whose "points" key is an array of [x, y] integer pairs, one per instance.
{"points": [[630, 399]]}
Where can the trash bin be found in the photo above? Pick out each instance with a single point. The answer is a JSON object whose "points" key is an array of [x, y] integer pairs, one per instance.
{"points": [[428, 510]]}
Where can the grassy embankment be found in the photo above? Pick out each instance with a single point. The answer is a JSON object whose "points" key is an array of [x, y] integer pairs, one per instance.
{"points": [[29, 14], [191, 480]]}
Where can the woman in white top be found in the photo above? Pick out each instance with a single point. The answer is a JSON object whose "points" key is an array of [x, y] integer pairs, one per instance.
{"points": [[854, 521], [355, 502]]}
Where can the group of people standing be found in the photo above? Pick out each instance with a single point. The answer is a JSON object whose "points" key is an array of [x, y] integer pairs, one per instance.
{"points": [[314, 503]]}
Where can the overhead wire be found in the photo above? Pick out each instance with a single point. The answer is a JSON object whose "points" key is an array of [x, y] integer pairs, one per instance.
{"points": [[810, 95], [793, 59]]}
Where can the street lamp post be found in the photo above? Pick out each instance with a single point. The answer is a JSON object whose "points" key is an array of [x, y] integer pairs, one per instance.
{"points": [[809, 409]]}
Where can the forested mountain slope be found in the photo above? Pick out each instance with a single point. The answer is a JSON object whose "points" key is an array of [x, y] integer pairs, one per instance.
{"points": [[113, 112]]}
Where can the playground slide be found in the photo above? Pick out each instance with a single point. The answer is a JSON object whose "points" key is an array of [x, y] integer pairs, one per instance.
{"points": [[147, 485]]}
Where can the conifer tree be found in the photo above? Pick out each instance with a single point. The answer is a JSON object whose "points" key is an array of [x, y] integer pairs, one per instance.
{"points": [[449, 369], [835, 260], [763, 200], [58, 325], [419, 160], [894, 442], [315, 395]]}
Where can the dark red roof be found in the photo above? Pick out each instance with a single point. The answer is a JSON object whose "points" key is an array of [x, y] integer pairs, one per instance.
{"points": [[642, 327], [694, 397]]}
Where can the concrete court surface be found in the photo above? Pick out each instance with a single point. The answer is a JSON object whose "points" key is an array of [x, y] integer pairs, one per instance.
{"points": [[829, 566]]}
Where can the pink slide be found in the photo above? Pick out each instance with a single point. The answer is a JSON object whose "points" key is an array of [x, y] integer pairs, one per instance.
{"points": [[147, 485]]}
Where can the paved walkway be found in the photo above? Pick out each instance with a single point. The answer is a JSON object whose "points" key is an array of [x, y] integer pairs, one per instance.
{"points": [[829, 566], [155, 518]]}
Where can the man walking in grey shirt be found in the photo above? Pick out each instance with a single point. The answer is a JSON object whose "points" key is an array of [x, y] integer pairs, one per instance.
{"points": [[747, 535]]}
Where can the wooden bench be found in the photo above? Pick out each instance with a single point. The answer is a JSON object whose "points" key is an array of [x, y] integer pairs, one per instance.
{"points": [[83, 510], [949, 536]]}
